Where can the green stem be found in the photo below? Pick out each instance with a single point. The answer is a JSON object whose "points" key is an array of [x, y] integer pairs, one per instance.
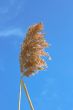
{"points": [[27, 94]]}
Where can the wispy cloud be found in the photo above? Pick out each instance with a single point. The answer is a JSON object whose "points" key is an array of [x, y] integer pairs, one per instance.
{"points": [[10, 32]]}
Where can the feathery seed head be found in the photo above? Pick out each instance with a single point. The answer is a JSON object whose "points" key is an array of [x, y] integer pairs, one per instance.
{"points": [[32, 49]]}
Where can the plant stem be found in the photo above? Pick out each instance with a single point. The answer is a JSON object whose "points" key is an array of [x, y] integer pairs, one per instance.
{"points": [[19, 101], [27, 94]]}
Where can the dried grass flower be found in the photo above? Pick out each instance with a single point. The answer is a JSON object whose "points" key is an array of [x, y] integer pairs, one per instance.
{"points": [[32, 49]]}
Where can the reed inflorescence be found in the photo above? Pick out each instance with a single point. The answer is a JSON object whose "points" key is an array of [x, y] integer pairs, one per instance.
{"points": [[32, 49]]}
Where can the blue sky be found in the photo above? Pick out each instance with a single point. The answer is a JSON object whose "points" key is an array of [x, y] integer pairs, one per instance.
{"points": [[51, 89]]}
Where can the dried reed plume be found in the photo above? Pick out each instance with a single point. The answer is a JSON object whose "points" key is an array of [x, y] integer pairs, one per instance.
{"points": [[30, 57], [32, 49]]}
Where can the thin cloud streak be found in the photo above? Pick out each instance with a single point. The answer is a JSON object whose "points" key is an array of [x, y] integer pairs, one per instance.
{"points": [[14, 32]]}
